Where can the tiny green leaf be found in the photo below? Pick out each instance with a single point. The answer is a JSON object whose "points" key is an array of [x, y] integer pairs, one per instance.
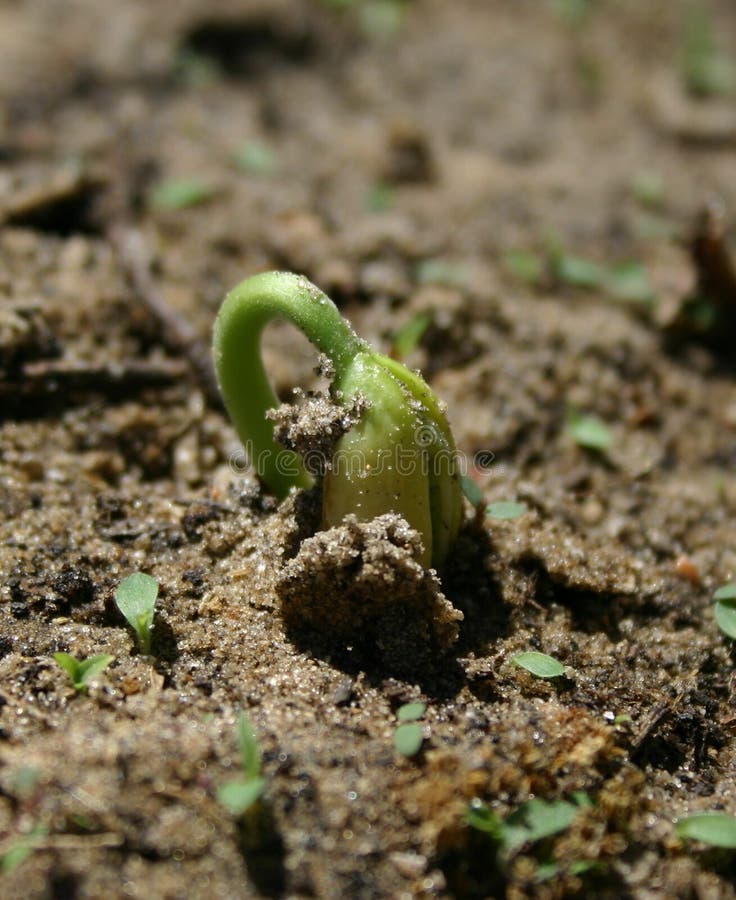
{"points": [[714, 828], [647, 186], [471, 490], [180, 193], [578, 272], [630, 282], [505, 509], [726, 592], [22, 849], [438, 271], [543, 818], [256, 158], [524, 265], [707, 70], [81, 672], [589, 432], [409, 712], [69, 664], [379, 198], [539, 664], [725, 613], [250, 752], [136, 599], [480, 817], [408, 738], [238, 796], [406, 338], [93, 666]]}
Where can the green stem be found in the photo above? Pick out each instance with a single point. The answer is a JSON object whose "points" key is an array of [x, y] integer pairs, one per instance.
{"points": [[244, 384]]}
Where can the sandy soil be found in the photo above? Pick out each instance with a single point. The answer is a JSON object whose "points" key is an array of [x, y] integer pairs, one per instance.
{"points": [[396, 154]]}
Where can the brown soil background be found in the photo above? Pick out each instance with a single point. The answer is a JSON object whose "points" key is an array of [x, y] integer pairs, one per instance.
{"points": [[493, 124]]}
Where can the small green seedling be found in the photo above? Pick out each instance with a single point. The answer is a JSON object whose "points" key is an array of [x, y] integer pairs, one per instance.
{"points": [[407, 338], [239, 796], [714, 828], [529, 823], [409, 736], [525, 265], [539, 664], [180, 193], [589, 432], [439, 271], [136, 599], [706, 69], [22, 849], [399, 457], [473, 494], [82, 671], [257, 159], [506, 509], [725, 609]]}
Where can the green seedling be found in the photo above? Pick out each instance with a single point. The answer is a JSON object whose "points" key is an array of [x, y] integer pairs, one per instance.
{"points": [[506, 509], [529, 823], [706, 70], [473, 494], [539, 664], [525, 265], [379, 198], [725, 609], [714, 828], [136, 599], [408, 337], [409, 736], [82, 671], [257, 158], [439, 271], [22, 849], [239, 796], [180, 193], [589, 432], [400, 456]]}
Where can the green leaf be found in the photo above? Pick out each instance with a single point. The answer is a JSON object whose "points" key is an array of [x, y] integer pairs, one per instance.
{"points": [[250, 752], [524, 265], [238, 796], [180, 193], [578, 272], [630, 282], [543, 818], [91, 667], [69, 663], [136, 599], [725, 613], [379, 198], [256, 158], [546, 871], [647, 186], [471, 490], [706, 69], [480, 817], [411, 711], [22, 849], [437, 271], [589, 432], [406, 338], [714, 828], [726, 592], [408, 738], [539, 664], [505, 509]]}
